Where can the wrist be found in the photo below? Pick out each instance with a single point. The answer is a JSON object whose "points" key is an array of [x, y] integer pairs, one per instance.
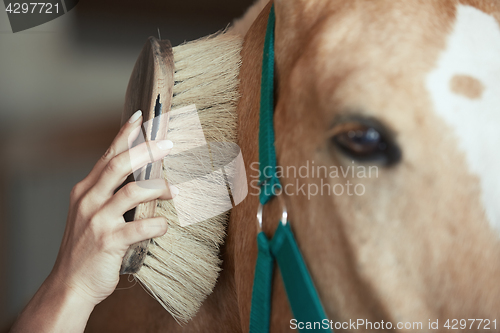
{"points": [[67, 293], [55, 308]]}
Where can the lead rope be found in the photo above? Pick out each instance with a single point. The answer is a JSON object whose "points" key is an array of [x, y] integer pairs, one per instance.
{"points": [[302, 296]]}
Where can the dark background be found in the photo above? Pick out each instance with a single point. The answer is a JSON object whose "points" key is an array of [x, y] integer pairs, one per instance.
{"points": [[62, 88]]}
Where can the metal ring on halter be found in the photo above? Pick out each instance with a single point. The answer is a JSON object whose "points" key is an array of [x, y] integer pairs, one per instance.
{"points": [[284, 213]]}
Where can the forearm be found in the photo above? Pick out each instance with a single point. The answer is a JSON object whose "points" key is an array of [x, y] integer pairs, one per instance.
{"points": [[54, 308]]}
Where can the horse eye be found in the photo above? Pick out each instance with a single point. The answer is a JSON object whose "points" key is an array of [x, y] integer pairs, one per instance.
{"points": [[366, 140]]}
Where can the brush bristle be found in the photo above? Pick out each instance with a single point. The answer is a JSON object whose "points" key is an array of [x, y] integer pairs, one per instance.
{"points": [[182, 266]]}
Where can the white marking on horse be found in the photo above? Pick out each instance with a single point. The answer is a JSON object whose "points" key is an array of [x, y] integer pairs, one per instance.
{"points": [[473, 49]]}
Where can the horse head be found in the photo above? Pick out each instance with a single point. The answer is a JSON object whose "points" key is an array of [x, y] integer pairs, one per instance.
{"points": [[390, 109]]}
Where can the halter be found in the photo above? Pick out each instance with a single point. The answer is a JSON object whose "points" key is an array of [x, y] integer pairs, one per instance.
{"points": [[302, 296]]}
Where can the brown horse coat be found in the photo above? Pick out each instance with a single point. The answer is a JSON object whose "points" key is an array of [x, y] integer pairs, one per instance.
{"points": [[420, 243]]}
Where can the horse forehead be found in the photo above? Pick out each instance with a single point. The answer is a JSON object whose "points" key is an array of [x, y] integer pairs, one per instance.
{"points": [[464, 87]]}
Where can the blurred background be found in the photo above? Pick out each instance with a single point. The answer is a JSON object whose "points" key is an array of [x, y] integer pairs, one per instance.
{"points": [[62, 88]]}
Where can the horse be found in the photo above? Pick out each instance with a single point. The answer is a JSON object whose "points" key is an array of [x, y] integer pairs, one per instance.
{"points": [[392, 108]]}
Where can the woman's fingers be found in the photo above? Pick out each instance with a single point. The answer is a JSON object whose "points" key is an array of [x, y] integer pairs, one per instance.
{"points": [[133, 232], [135, 193], [120, 166], [128, 133]]}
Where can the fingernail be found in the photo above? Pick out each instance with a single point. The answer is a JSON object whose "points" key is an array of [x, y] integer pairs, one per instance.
{"points": [[165, 224], [135, 116], [165, 144], [173, 190]]}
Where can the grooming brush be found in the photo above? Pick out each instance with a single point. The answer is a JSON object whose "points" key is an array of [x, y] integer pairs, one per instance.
{"points": [[188, 95]]}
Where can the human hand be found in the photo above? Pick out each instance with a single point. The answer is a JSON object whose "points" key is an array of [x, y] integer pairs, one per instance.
{"points": [[96, 236]]}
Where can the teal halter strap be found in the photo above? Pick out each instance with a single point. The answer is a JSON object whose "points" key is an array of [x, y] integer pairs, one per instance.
{"points": [[267, 153], [302, 296]]}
